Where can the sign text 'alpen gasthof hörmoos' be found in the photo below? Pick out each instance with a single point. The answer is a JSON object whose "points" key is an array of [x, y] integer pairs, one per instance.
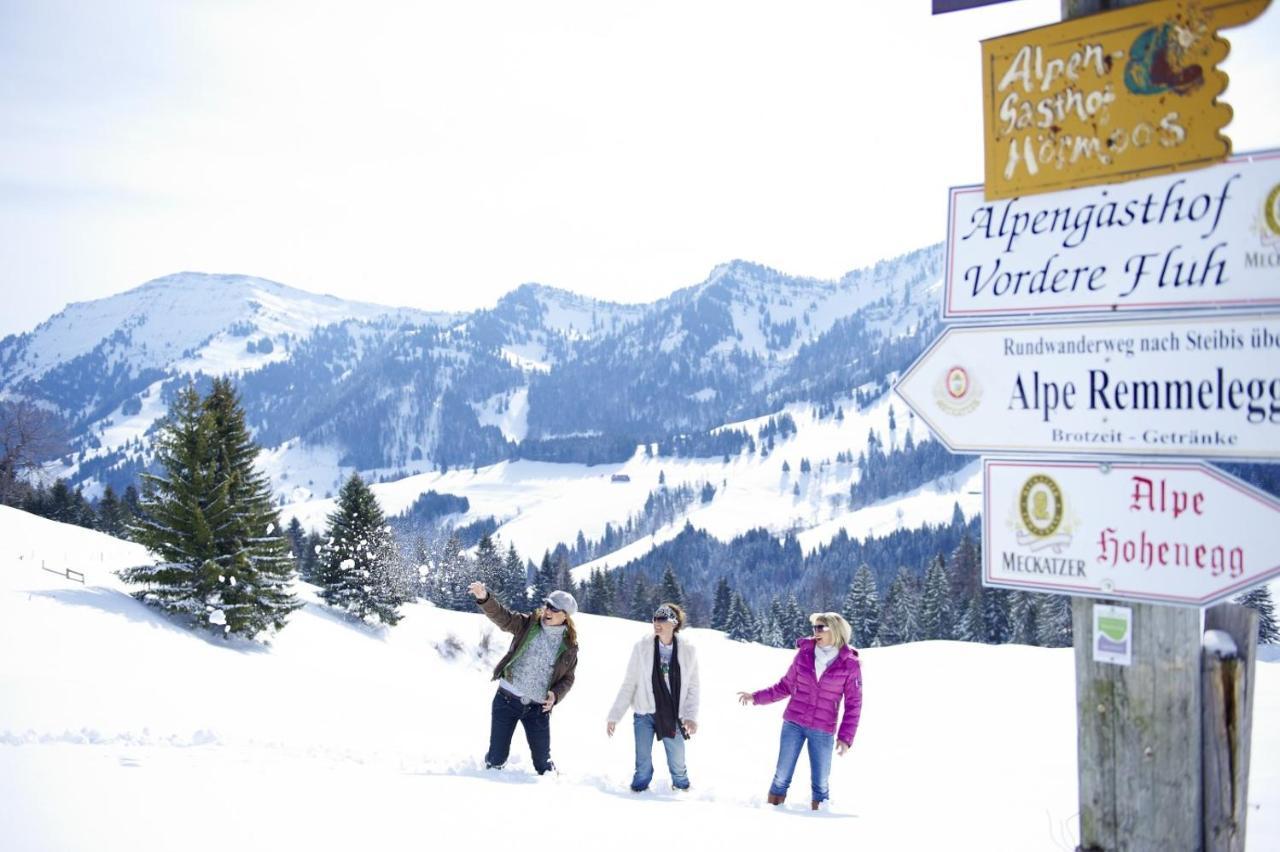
{"points": [[1109, 97]]}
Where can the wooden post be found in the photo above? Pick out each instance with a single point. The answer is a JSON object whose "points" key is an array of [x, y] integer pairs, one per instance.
{"points": [[1228, 687], [1138, 729]]}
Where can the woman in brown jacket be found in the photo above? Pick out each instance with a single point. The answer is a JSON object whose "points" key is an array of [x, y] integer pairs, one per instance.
{"points": [[535, 675]]}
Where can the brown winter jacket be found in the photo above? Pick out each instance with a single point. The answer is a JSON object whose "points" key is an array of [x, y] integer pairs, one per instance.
{"points": [[522, 624]]}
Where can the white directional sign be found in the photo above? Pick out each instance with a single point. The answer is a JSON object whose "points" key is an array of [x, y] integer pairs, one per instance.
{"points": [[1202, 239], [1169, 532], [1187, 386]]}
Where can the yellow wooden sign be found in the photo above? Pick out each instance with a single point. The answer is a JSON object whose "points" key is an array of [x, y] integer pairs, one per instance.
{"points": [[1108, 98]]}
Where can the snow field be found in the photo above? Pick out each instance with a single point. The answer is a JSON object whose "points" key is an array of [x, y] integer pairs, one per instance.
{"points": [[121, 731]]}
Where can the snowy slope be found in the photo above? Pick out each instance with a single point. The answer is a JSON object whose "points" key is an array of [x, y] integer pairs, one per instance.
{"points": [[120, 731], [539, 505]]}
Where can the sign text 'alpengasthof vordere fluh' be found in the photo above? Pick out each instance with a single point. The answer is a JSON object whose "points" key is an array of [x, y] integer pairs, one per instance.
{"points": [[1162, 532], [1191, 240], [1184, 386]]}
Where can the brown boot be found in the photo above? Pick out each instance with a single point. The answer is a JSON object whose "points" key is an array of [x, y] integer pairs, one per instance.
{"points": [[776, 800], [815, 805]]}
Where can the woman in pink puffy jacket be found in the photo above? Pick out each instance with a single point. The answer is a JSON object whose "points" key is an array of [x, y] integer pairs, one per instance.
{"points": [[823, 672]]}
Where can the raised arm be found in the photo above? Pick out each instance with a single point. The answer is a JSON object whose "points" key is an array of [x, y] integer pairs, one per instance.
{"points": [[507, 621]]}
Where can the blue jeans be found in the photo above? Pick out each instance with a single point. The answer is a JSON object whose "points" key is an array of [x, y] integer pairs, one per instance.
{"points": [[645, 733], [508, 711], [821, 745]]}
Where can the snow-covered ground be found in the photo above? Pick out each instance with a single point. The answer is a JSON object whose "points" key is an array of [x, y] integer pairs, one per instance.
{"points": [[120, 731], [539, 504]]}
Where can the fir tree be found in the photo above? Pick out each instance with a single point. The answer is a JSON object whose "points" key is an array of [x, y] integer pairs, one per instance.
{"points": [[720, 609], [862, 607], [513, 585], [544, 581], [1022, 619], [643, 600], [794, 623], [1259, 600], [359, 557], [670, 591], [936, 618], [973, 626], [997, 607], [254, 555], [899, 620], [111, 513], [1053, 621], [742, 625], [210, 521], [174, 521], [489, 566], [297, 543]]}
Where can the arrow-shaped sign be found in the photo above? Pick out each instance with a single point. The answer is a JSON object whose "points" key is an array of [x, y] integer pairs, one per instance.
{"points": [[1194, 386], [1177, 533]]}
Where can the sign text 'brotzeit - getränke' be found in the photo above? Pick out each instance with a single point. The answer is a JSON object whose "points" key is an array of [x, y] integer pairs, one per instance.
{"points": [[1160, 532], [1202, 239], [1186, 386]]}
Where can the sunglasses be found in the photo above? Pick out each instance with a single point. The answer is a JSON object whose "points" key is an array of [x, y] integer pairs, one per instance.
{"points": [[657, 619], [820, 628], [550, 607]]}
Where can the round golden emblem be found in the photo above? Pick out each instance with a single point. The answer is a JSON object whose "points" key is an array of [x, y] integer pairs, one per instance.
{"points": [[1271, 210], [1040, 505]]}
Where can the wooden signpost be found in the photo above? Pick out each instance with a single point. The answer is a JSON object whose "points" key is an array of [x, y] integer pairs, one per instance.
{"points": [[1097, 101]]}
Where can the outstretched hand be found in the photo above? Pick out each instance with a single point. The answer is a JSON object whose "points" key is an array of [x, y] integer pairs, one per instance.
{"points": [[745, 698], [478, 591]]}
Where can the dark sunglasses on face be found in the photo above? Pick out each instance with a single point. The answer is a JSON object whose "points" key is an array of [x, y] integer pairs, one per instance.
{"points": [[550, 607], [819, 628], [658, 619]]}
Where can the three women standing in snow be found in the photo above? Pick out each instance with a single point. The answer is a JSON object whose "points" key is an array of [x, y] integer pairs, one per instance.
{"points": [[661, 686], [824, 672], [533, 677]]}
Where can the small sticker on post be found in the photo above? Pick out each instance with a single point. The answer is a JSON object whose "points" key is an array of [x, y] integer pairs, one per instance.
{"points": [[1112, 634]]}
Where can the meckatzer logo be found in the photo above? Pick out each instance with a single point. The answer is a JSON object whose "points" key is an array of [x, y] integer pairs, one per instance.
{"points": [[957, 392], [1040, 515]]}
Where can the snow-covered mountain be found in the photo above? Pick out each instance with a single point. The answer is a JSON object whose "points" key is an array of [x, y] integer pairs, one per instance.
{"points": [[121, 731], [332, 386]]}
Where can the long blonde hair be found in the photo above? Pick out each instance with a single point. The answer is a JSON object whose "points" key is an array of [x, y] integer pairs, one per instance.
{"points": [[840, 630]]}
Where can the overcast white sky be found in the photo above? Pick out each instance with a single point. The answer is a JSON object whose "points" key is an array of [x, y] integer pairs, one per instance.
{"points": [[439, 155]]}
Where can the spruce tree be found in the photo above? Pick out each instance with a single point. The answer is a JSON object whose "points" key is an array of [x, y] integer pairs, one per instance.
{"points": [[489, 566], [544, 582], [973, 627], [174, 516], [643, 600], [253, 552], [1259, 599], [111, 515], [997, 605], [297, 544], [670, 591], [720, 609], [1053, 621], [742, 625], [862, 607], [357, 563], [512, 581], [899, 620], [210, 521], [1022, 619], [794, 624], [936, 618]]}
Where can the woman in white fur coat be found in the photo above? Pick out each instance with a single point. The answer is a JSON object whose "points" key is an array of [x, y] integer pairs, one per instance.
{"points": [[661, 687]]}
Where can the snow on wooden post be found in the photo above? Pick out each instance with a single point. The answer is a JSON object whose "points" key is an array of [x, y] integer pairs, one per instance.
{"points": [[1227, 670], [1138, 731]]}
